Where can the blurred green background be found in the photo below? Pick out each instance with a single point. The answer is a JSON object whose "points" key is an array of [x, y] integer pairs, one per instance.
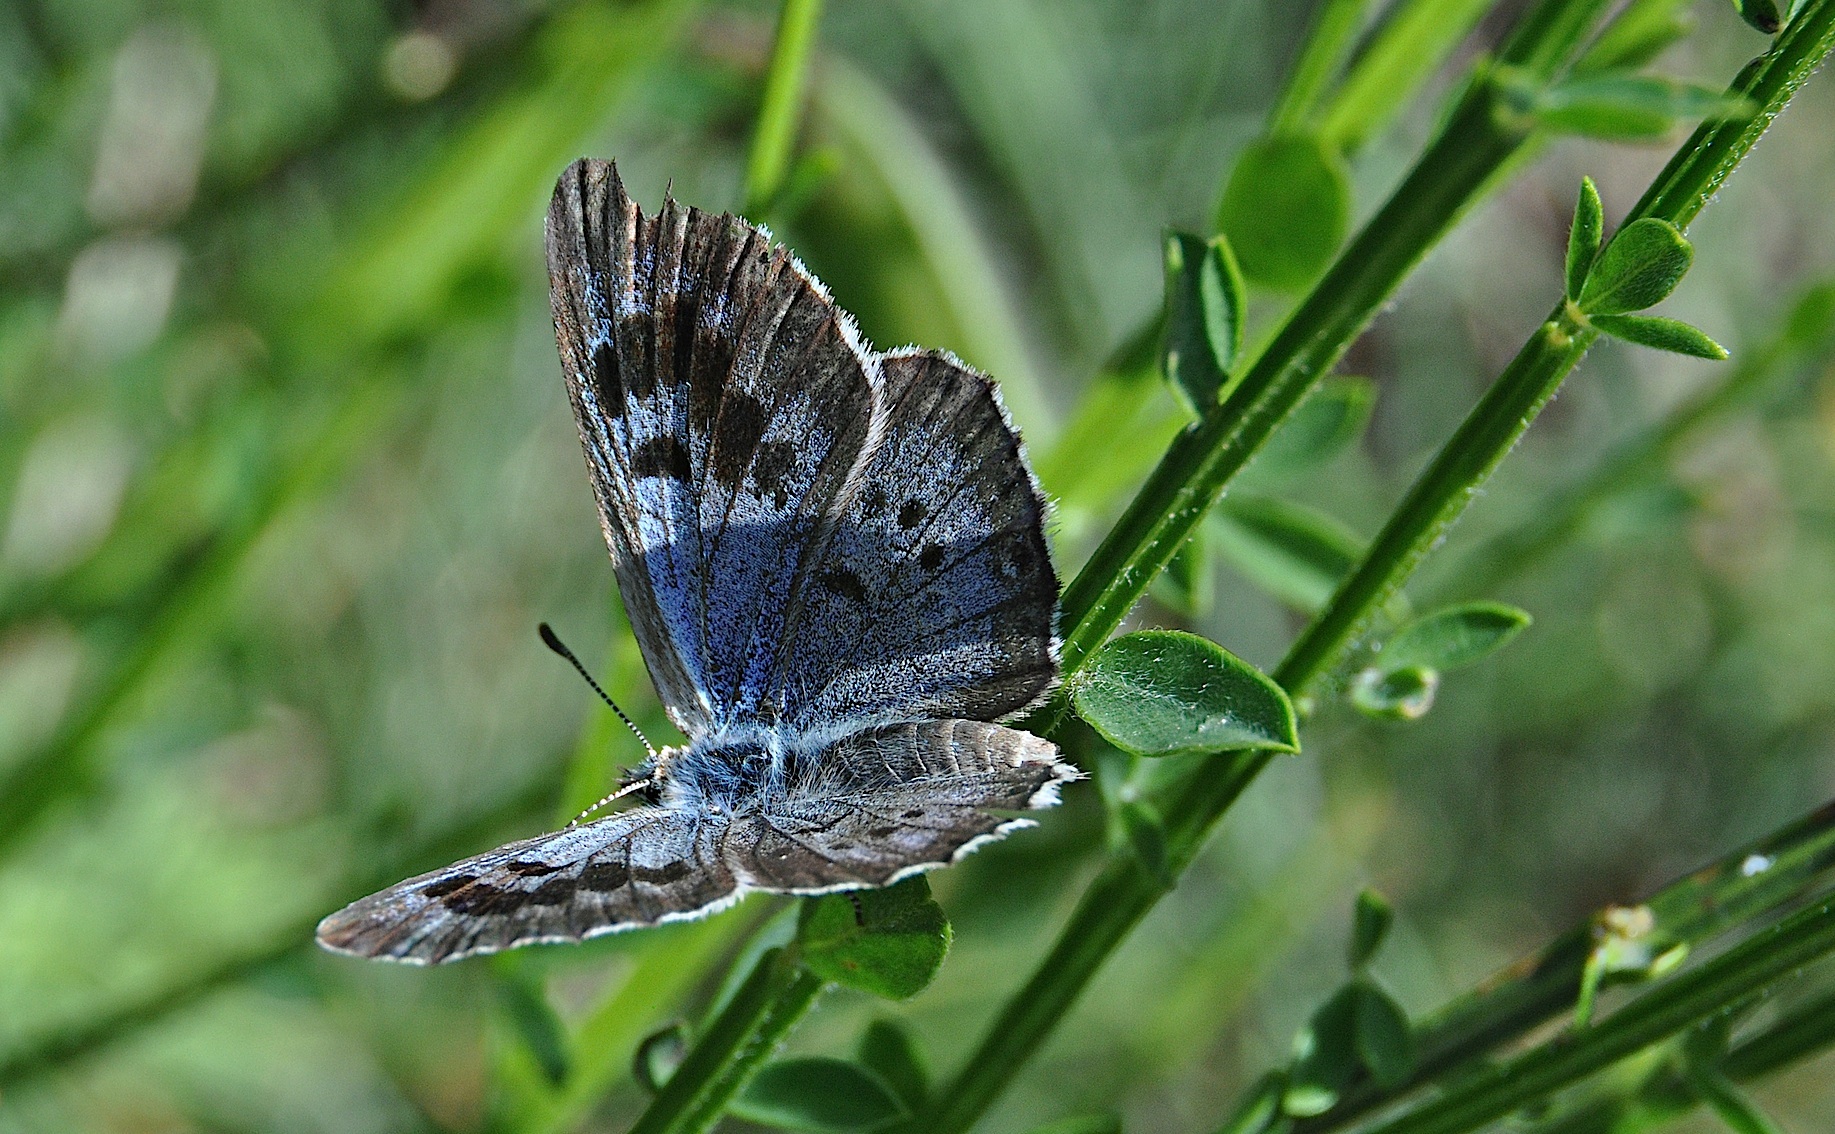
{"points": [[287, 479]]}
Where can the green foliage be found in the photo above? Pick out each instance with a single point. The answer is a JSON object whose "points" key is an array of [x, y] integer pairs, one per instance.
{"points": [[1294, 552], [1326, 1056], [1642, 265], [888, 1050], [1083, 1124], [820, 1095], [1761, 14], [1371, 918], [1165, 692], [1285, 209], [1583, 237], [1661, 334], [1324, 425], [658, 1055], [888, 942], [1204, 318], [1621, 106], [1453, 636]]}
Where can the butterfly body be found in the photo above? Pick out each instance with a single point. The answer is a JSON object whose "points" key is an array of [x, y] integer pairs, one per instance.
{"points": [[834, 563]]}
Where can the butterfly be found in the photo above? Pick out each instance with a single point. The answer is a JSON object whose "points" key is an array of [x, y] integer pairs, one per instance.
{"points": [[835, 565]]}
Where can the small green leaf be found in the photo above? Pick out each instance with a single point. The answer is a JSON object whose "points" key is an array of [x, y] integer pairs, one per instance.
{"points": [[1642, 265], [1145, 836], [1401, 694], [1257, 1114], [888, 942], [1385, 1040], [1671, 335], [827, 1096], [1204, 314], [1452, 637], [1294, 552], [1811, 317], [1639, 34], [1629, 106], [1583, 237], [658, 1055], [1760, 14], [1160, 692], [1325, 1057], [1330, 419], [889, 1051], [1285, 209], [1730, 1104], [1370, 922], [1081, 1124], [532, 1018]]}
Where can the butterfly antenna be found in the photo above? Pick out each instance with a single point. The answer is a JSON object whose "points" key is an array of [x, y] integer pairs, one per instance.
{"points": [[554, 643]]}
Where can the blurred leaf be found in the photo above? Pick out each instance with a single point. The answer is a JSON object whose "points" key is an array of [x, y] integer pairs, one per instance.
{"points": [[1640, 33], [1642, 265], [1452, 637], [1160, 692], [1294, 552], [1761, 14], [1204, 313], [1081, 1124], [1332, 416], [1583, 237], [888, 1050], [1257, 1113], [889, 942], [1399, 694], [1285, 209], [532, 1018], [1187, 584], [1813, 317], [1385, 1040], [828, 1096], [1371, 918], [1411, 42], [1325, 1057], [1654, 331], [1628, 106], [1146, 839], [657, 1057], [1730, 1104]]}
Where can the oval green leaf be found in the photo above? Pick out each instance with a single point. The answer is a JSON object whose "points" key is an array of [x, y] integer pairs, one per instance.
{"points": [[1370, 922], [1325, 1057], [1642, 265], [1762, 15], [888, 942], [1629, 106], [1583, 237], [532, 1018], [888, 1050], [826, 1096], [1204, 316], [1160, 692], [1285, 209], [1452, 637], [1385, 1040], [658, 1055], [1654, 331]]}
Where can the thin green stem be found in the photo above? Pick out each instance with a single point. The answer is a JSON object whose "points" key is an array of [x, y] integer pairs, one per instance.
{"points": [[781, 110], [1201, 463], [1743, 971], [772, 998], [1333, 34], [1742, 885], [1415, 38]]}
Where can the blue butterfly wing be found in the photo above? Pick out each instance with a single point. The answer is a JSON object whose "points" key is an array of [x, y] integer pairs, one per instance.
{"points": [[933, 596], [724, 403]]}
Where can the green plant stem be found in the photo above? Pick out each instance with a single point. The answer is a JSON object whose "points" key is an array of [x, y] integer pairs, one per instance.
{"points": [[781, 109], [1415, 38], [1333, 34], [772, 998], [1747, 883], [1743, 971], [1200, 464], [1450, 175]]}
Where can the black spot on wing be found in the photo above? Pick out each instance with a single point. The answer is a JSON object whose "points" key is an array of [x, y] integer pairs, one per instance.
{"points": [[666, 873], [605, 374], [663, 456], [873, 498], [912, 514], [931, 557], [481, 899], [841, 581], [742, 423], [448, 885], [605, 877], [774, 461], [531, 867]]}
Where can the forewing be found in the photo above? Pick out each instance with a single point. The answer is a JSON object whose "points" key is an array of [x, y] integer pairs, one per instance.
{"points": [[723, 401], [638, 867], [935, 595], [893, 800]]}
